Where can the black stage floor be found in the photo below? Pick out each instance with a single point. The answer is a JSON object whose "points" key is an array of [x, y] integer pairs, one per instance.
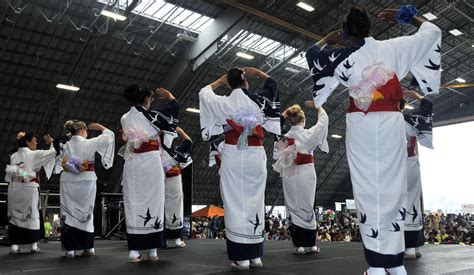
{"points": [[209, 257]]}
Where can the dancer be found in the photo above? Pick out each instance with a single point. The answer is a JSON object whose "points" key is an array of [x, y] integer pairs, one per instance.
{"points": [[143, 176], [243, 169], [418, 127], [78, 183], [375, 140], [174, 160], [296, 167], [23, 190]]}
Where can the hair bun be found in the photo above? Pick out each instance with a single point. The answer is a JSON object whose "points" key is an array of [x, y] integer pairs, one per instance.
{"points": [[73, 126], [294, 110], [69, 125], [20, 135]]}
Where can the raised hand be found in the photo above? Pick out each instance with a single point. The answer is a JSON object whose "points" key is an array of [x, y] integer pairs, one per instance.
{"points": [[48, 139], [96, 127], [309, 103], [251, 71], [334, 37], [388, 15], [163, 93], [219, 82], [412, 94], [223, 79]]}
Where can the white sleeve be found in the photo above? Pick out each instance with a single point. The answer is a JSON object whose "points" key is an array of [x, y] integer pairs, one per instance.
{"points": [[104, 144], [419, 53], [317, 135], [44, 158], [213, 112]]}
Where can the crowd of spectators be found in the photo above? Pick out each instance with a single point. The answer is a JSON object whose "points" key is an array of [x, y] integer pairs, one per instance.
{"points": [[207, 228], [449, 228], [343, 227]]}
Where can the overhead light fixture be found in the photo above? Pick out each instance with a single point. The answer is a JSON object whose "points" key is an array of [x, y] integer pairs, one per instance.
{"points": [[193, 110], [115, 16], [305, 6], [460, 80], [409, 107], [67, 87], [455, 32], [293, 70], [336, 136], [245, 55], [429, 16]]}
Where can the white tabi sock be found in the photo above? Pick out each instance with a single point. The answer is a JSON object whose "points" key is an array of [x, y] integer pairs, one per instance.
{"points": [[410, 251], [177, 241], [243, 263], [15, 247], [399, 270], [34, 246], [153, 252], [70, 253], [134, 254], [376, 271]]}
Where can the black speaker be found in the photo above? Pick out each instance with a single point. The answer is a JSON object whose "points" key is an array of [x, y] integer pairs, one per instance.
{"points": [[187, 178]]}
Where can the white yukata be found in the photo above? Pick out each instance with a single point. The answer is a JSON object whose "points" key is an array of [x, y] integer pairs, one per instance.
{"points": [[418, 127], [299, 179], [375, 138], [144, 179], [23, 193], [174, 211], [78, 191], [174, 161], [243, 173]]}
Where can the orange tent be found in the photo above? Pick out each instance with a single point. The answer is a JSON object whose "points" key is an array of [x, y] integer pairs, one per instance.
{"points": [[209, 211]]}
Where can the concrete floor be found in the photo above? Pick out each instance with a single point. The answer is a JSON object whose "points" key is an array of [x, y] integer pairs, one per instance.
{"points": [[209, 257]]}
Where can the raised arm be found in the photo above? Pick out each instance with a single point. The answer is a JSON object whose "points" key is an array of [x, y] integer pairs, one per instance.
{"points": [[413, 95], [182, 134], [164, 94], [219, 82], [390, 15], [317, 134], [419, 53], [42, 157], [104, 144], [251, 71]]}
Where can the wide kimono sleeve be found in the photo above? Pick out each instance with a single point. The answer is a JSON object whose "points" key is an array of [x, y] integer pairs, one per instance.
{"points": [[271, 108], [321, 64], [419, 53], [316, 136], [213, 112], [104, 144], [45, 159], [164, 120], [421, 121]]}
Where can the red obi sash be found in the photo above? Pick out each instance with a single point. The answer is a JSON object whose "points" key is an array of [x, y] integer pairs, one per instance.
{"points": [[150, 145], [37, 179], [173, 172], [232, 136], [218, 160], [411, 147], [392, 94], [301, 158]]}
